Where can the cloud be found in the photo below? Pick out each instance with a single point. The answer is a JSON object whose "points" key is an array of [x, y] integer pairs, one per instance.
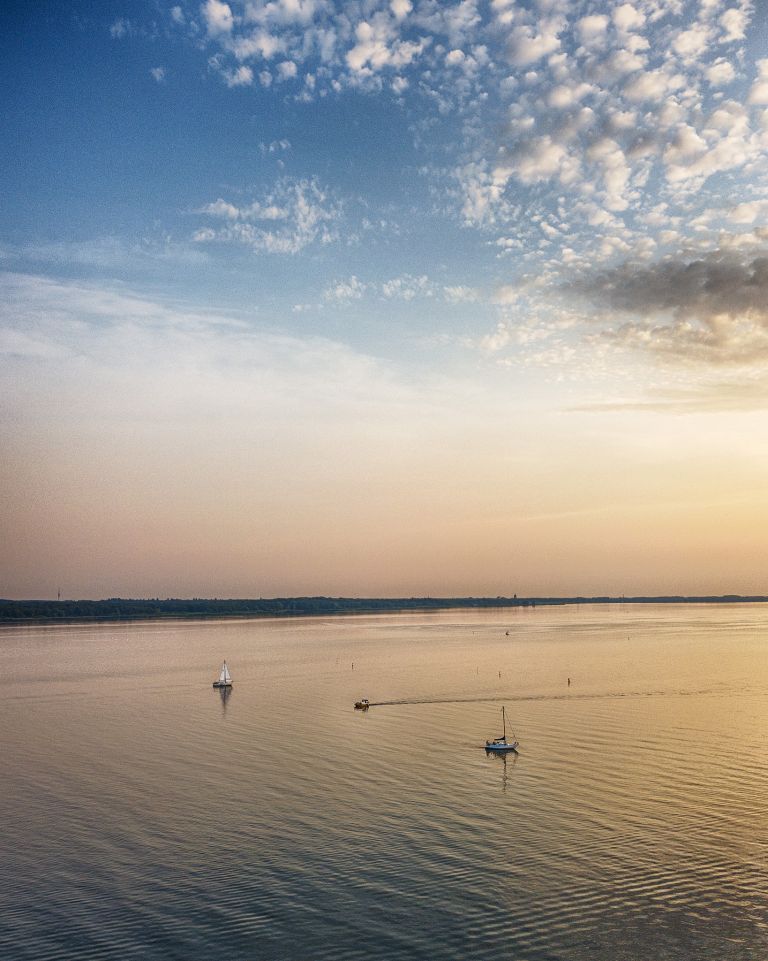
{"points": [[533, 160], [691, 44], [343, 291], [157, 372], [405, 287], [567, 125], [527, 45], [401, 8], [221, 208], [378, 46], [241, 77], [591, 27], [218, 17], [276, 146], [721, 73], [710, 397], [498, 340], [627, 17], [110, 253], [41, 317], [606, 154], [158, 74], [284, 12], [747, 212], [712, 310], [299, 213], [652, 85], [482, 193], [461, 294], [85, 361], [260, 43], [734, 22], [723, 143], [287, 70], [622, 62], [758, 93], [121, 28]]}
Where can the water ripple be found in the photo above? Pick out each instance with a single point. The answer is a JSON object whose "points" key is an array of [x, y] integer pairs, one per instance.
{"points": [[162, 821]]}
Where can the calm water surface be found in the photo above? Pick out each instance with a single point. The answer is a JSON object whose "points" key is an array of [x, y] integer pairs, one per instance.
{"points": [[146, 816]]}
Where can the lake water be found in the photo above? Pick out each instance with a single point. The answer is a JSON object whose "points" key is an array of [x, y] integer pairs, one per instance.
{"points": [[146, 816]]}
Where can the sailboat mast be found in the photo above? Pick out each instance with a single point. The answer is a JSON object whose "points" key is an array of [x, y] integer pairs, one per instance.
{"points": [[504, 723]]}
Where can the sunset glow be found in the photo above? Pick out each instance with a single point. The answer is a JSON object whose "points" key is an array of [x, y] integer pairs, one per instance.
{"points": [[301, 297]]}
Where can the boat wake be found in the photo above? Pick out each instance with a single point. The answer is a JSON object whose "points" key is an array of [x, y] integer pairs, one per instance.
{"points": [[496, 698]]}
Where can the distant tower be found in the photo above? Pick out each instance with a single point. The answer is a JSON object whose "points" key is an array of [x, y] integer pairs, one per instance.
{"points": [[59, 594]]}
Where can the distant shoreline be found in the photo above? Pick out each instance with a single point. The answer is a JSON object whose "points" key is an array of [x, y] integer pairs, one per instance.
{"points": [[132, 609]]}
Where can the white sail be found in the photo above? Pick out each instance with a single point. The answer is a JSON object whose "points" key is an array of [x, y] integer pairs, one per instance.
{"points": [[224, 677]]}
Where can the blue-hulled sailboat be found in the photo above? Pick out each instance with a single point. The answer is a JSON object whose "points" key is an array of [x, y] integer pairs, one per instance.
{"points": [[501, 743]]}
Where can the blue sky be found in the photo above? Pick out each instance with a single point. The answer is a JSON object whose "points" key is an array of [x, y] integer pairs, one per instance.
{"points": [[489, 149], [511, 228]]}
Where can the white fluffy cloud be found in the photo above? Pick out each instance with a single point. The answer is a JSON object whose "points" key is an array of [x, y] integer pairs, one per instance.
{"points": [[241, 76], [627, 17], [406, 287], [378, 46], [401, 8], [758, 93], [529, 43], [690, 44], [651, 85], [218, 17], [578, 133], [293, 215], [287, 70], [592, 26], [720, 73], [258, 44], [734, 22], [342, 291]]}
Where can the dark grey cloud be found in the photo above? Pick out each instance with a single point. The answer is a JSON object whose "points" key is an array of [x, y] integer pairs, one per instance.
{"points": [[701, 288], [710, 310]]}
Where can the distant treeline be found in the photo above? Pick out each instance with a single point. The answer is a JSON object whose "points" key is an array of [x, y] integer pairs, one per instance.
{"points": [[119, 608]]}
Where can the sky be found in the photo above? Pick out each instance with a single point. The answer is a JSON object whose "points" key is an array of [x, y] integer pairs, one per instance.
{"points": [[383, 298]]}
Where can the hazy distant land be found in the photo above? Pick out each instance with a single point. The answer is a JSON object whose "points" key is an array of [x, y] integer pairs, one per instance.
{"points": [[118, 608]]}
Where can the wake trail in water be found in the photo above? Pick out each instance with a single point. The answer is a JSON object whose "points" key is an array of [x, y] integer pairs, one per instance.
{"points": [[494, 698]]}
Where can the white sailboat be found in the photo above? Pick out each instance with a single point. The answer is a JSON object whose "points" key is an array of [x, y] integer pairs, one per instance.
{"points": [[501, 743], [225, 678]]}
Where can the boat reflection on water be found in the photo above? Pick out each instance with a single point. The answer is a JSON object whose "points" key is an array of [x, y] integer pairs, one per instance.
{"points": [[507, 759], [225, 693]]}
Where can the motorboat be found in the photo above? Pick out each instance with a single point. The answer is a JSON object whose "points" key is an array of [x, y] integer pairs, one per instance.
{"points": [[363, 704]]}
